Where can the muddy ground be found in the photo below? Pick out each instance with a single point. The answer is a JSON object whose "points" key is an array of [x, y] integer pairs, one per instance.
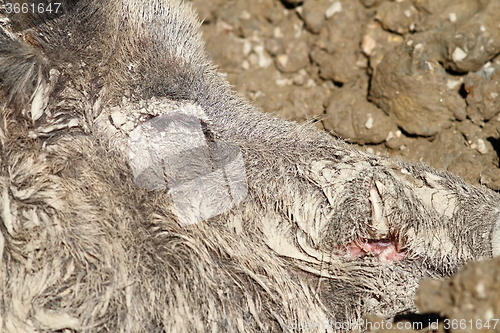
{"points": [[415, 79]]}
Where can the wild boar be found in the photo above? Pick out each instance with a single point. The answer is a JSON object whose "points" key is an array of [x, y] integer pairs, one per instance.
{"points": [[140, 194]]}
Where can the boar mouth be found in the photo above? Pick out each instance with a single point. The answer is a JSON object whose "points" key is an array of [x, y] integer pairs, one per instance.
{"points": [[386, 250], [383, 242]]}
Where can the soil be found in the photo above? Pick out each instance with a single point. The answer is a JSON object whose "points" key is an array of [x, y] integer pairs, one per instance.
{"points": [[415, 79]]}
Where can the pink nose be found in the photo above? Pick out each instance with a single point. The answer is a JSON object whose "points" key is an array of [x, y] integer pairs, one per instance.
{"points": [[385, 250]]}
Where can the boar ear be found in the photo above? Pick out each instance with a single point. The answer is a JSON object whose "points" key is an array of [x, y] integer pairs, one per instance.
{"points": [[26, 74], [22, 76]]}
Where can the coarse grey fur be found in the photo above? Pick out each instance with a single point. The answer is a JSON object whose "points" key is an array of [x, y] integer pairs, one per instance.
{"points": [[84, 249]]}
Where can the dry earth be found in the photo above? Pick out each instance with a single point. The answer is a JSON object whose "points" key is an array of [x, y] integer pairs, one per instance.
{"points": [[415, 79]]}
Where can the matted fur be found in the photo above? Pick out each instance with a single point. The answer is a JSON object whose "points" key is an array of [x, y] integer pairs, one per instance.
{"points": [[84, 249]]}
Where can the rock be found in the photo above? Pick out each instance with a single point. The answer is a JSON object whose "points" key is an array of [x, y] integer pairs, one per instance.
{"points": [[371, 3], [467, 299], [398, 16], [337, 49], [395, 140], [304, 103], [295, 57], [273, 46], [313, 14], [285, 32], [334, 8], [412, 88], [478, 140], [490, 177], [433, 295], [377, 42], [470, 131], [350, 116], [289, 28], [449, 151], [254, 26], [232, 56], [443, 14], [483, 94], [340, 66], [260, 86], [467, 166], [246, 21], [445, 148], [274, 15], [468, 47]]}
